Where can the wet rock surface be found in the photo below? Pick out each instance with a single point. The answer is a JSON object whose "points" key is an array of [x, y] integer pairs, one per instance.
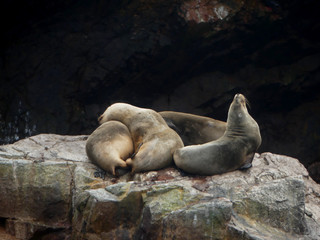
{"points": [[49, 188]]}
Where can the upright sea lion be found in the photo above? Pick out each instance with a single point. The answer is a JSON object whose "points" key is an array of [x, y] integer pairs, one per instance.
{"points": [[194, 129], [154, 141], [234, 150], [109, 146]]}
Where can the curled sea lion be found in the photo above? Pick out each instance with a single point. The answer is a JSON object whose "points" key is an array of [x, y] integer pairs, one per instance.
{"points": [[154, 141], [234, 150], [194, 129], [109, 146]]}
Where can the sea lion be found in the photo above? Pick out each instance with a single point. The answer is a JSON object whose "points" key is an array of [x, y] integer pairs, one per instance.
{"points": [[234, 150], [109, 146], [154, 141], [194, 129]]}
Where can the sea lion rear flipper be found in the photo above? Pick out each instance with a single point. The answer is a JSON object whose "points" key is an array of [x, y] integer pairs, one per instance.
{"points": [[113, 170], [129, 162], [135, 153]]}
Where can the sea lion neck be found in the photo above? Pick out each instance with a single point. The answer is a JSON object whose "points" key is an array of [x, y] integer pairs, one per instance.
{"points": [[237, 117], [117, 112]]}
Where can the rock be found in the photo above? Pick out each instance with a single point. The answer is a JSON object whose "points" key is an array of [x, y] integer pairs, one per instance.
{"points": [[38, 183], [49, 188], [203, 220], [280, 202]]}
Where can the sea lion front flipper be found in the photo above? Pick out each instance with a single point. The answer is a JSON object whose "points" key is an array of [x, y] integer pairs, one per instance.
{"points": [[248, 162], [246, 166]]}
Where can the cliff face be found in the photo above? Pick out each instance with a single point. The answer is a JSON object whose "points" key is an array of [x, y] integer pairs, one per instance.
{"points": [[63, 63], [49, 190]]}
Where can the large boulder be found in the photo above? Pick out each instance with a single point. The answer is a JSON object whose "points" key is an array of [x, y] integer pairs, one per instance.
{"points": [[50, 190]]}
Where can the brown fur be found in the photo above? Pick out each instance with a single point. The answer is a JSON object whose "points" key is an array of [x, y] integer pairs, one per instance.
{"points": [[109, 146], [154, 141], [194, 129]]}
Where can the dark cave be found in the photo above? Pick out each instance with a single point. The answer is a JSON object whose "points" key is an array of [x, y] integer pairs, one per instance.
{"points": [[62, 63]]}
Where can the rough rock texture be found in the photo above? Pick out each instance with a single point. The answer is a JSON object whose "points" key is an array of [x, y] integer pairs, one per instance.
{"points": [[49, 190], [63, 62]]}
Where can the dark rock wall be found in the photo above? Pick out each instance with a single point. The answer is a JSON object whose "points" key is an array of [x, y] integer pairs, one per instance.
{"points": [[62, 63]]}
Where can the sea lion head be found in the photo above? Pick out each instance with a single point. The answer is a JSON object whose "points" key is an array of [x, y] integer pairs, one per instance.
{"points": [[238, 109], [116, 111], [241, 124]]}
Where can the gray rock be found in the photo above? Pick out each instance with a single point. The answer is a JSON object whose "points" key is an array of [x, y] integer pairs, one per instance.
{"points": [[48, 186]]}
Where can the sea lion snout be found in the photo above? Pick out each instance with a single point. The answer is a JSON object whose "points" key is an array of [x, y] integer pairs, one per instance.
{"points": [[240, 99], [102, 118]]}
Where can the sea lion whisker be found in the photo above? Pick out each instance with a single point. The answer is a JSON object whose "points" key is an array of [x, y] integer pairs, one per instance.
{"points": [[247, 103]]}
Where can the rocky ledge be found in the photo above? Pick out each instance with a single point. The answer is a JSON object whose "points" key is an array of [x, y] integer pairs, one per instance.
{"points": [[50, 190]]}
